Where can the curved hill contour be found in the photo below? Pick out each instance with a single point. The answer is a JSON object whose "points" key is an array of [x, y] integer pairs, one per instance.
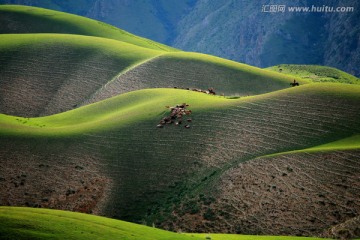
{"points": [[43, 74], [25, 19], [169, 176], [25, 223], [316, 73], [194, 70]]}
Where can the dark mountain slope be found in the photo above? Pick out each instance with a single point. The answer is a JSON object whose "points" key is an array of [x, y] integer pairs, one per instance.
{"points": [[240, 31]]}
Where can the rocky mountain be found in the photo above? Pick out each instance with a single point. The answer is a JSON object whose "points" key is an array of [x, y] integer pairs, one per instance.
{"points": [[241, 30], [153, 19]]}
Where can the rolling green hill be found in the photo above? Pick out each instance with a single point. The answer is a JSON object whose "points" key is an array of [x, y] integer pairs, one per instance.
{"points": [[42, 72], [316, 73], [78, 132], [25, 19], [27, 223], [194, 70], [156, 176]]}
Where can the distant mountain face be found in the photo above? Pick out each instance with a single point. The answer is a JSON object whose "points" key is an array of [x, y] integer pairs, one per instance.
{"points": [[241, 30], [153, 19]]}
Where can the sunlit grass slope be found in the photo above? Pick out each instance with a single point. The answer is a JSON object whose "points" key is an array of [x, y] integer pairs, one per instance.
{"points": [[115, 112], [147, 104], [316, 73], [43, 74], [25, 19], [28, 223], [347, 143]]}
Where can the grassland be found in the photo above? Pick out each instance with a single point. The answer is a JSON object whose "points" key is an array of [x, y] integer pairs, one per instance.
{"points": [[57, 72], [117, 140], [28, 223], [79, 115], [316, 73], [193, 70], [60, 72]]}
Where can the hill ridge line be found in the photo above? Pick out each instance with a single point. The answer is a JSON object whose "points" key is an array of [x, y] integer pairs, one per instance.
{"points": [[104, 87], [78, 22]]}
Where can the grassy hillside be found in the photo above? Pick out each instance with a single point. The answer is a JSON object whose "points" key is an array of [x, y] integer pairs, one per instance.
{"points": [[194, 70], [30, 223], [260, 194], [79, 115], [43, 74], [316, 73], [167, 176], [25, 19]]}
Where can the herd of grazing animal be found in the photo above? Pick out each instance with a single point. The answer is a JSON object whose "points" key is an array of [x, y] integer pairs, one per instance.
{"points": [[176, 116], [210, 91], [177, 112]]}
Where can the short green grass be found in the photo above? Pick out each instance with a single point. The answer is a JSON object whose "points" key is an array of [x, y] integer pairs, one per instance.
{"points": [[26, 223], [106, 46], [40, 20], [31, 223], [315, 73], [350, 143], [343, 144]]}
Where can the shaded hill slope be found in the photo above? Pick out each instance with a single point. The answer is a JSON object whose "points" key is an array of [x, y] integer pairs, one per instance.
{"points": [[268, 195], [25, 19], [44, 74], [112, 151], [194, 70], [316, 73]]}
